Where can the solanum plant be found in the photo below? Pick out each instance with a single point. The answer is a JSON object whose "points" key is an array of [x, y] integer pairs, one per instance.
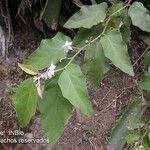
{"points": [[58, 82]]}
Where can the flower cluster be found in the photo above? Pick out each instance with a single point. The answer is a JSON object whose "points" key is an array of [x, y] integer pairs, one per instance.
{"points": [[49, 73], [44, 76]]}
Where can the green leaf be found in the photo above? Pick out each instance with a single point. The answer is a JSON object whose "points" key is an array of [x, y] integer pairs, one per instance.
{"points": [[125, 28], [73, 87], [145, 84], [132, 137], [55, 110], [116, 50], [120, 20], [146, 142], [115, 7], [88, 16], [116, 19], [147, 59], [145, 38], [115, 22], [51, 13], [84, 36], [25, 101], [146, 146], [148, 71], [121, 131], [28, 69], [140, 16], [95, 63], [149, 136], [50, 50], [138, 124]]}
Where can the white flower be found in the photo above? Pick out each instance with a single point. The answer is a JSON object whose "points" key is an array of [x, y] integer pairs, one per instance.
{"points": [[141, 147], [67, 46], [51, 71]]}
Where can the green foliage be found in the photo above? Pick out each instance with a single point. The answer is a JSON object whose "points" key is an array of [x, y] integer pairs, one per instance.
{"points": [[125, 28], [132, 137], [120, 20], [25, 101], [149, 136], [95, 65], [103, 33], [138, 124], [138, 138], [51, 13], [116, 20], [73, 87], [55, 110], [86, 35], [147, 59], [115, 7], [145, 84], [116, 50], [28, 69], [50, 50], [88, 16], [128, 119], [140, 16]]}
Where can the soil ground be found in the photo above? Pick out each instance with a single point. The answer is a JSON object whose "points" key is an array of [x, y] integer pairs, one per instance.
{"points": [[109, 100]]}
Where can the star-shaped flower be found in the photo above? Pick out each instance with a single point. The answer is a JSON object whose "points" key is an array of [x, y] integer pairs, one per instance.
{"points": [[51, 71], [67, 46]]}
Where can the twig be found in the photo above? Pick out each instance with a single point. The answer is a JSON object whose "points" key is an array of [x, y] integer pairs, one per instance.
{"points": [[92, 144], [85, 46], [121, 8], [114, 100], [106, 108], [105, 96], [22, 19], [41, 15], [98, 37], [20, 7], [141, 55], [9, 22], [78, 3], [29, 4]]}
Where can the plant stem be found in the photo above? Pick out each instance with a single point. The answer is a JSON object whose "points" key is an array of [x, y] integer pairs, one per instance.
{"points": [[141, 55], [94, 40], [120, 9]]}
